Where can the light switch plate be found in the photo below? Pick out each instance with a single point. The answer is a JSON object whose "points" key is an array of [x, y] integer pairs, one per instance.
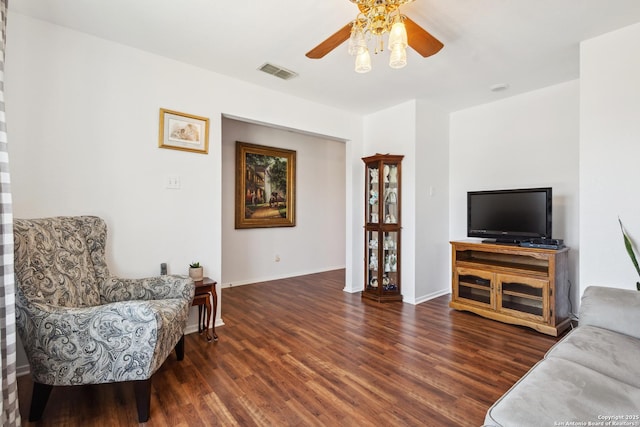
{"points": [[173, 182]]}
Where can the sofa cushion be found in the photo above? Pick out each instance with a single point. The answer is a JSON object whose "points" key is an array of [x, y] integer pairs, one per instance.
{"points": [[610, 353], [557, 391], [611, 308]]}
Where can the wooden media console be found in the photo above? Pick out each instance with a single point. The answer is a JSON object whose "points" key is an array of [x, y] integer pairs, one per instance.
{"points": [[512, 284]]}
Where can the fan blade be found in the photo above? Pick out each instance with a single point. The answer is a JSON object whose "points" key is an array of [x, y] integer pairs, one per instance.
{"points": [[331, 43], [420, 40]]}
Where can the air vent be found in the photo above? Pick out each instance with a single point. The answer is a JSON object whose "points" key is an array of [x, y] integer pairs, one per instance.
{"points": [[277, 71]]}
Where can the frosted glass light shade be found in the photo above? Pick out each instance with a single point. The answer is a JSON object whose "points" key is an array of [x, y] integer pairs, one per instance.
{"points": [[363, 62], [398, 57], [357, 43], [398, 35], [352, 43]]}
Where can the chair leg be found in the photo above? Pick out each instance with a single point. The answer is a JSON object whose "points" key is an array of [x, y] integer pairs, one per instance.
{"points": [[143, 399], [39, 398], [180, 348]]}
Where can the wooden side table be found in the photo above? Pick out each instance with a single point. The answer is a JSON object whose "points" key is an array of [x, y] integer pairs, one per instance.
{"points": [[204, 288]]}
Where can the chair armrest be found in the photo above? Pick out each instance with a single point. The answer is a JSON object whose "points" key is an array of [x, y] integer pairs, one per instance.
{"points": [[610, 308], [89, 345], [115, 289]]}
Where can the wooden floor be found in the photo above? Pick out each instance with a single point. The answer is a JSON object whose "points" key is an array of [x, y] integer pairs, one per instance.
{"points": [[301, 352]]}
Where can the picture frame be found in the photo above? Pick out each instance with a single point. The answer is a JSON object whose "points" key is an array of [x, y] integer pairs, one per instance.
{"points": [[182, 131], [265, 186]]}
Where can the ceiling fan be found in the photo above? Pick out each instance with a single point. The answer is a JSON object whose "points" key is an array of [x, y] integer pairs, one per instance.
{"points": [[376, 18]]}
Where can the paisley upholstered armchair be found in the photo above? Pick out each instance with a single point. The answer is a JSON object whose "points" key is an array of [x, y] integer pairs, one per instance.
{"points": [[78, 324]]}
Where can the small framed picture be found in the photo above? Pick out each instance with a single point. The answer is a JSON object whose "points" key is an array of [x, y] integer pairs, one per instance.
{"points": [[181, 131]]}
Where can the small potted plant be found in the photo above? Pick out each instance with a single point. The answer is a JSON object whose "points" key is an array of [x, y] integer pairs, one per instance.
{"points": [[196, 271]]}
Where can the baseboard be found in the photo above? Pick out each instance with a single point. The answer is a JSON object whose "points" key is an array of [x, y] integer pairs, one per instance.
{"points": [[432, 295], [193, 327]]}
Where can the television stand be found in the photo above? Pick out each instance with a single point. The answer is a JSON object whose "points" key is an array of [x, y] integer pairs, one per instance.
{"points": [[512, 284]]}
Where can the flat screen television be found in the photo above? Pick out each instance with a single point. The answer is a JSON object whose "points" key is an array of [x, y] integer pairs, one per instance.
{"points": [[510, 216]]}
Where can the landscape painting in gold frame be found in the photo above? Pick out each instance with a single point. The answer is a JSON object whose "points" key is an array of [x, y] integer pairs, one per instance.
{"points": [[181, 131], [265, 186]]}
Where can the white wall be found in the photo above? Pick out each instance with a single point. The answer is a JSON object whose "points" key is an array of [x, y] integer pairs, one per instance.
{"points": [[82, 119], [393, 131], [529, 140], [609, 153], [432, 252], [317, 242], [419, 131]]}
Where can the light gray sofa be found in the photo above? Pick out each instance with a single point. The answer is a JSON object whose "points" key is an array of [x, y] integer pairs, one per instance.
{"points": [[590, 377]]}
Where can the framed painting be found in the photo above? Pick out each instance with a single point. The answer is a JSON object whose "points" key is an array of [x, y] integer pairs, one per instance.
{"points": [[181, 131], [265, 186]]}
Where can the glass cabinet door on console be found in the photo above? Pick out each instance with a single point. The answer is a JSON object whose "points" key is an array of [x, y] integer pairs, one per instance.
{"points": [[524, 297], [474, 287], [382, 227]]}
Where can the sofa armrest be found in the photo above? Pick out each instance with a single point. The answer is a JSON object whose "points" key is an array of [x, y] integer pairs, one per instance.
{"points": [[115, 289], [614, 309]]}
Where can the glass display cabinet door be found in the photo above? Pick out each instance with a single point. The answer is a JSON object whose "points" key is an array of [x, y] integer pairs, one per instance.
{"points": [[373, 199], [390, 196], [390, 268], [373, 261]]}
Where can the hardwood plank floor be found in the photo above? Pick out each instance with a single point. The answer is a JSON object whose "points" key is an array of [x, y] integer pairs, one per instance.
{"points": [[301, 352]]}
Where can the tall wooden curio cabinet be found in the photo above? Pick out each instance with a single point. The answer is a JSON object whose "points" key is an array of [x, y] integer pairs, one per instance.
{"points": [[382, 227]]}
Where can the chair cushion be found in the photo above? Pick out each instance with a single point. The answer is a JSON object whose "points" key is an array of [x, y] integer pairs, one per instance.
{"points": [[57, 262], [93, 345]]}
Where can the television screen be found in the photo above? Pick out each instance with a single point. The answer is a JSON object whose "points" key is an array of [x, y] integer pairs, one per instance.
{"points": [[510, 215]]}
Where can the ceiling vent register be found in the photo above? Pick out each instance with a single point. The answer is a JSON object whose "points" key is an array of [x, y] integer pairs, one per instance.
{"points": [[277, 71]]}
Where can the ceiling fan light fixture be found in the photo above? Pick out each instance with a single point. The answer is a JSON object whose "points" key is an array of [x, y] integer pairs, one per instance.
{"points": [[375, 18], [363, 62], [398, 57]]}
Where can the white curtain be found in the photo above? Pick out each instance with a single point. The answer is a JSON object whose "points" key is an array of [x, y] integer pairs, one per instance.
{"points": [[9, 411]]}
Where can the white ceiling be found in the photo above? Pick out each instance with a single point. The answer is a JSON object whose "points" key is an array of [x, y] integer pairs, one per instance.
{"points": [[527, 44]]}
